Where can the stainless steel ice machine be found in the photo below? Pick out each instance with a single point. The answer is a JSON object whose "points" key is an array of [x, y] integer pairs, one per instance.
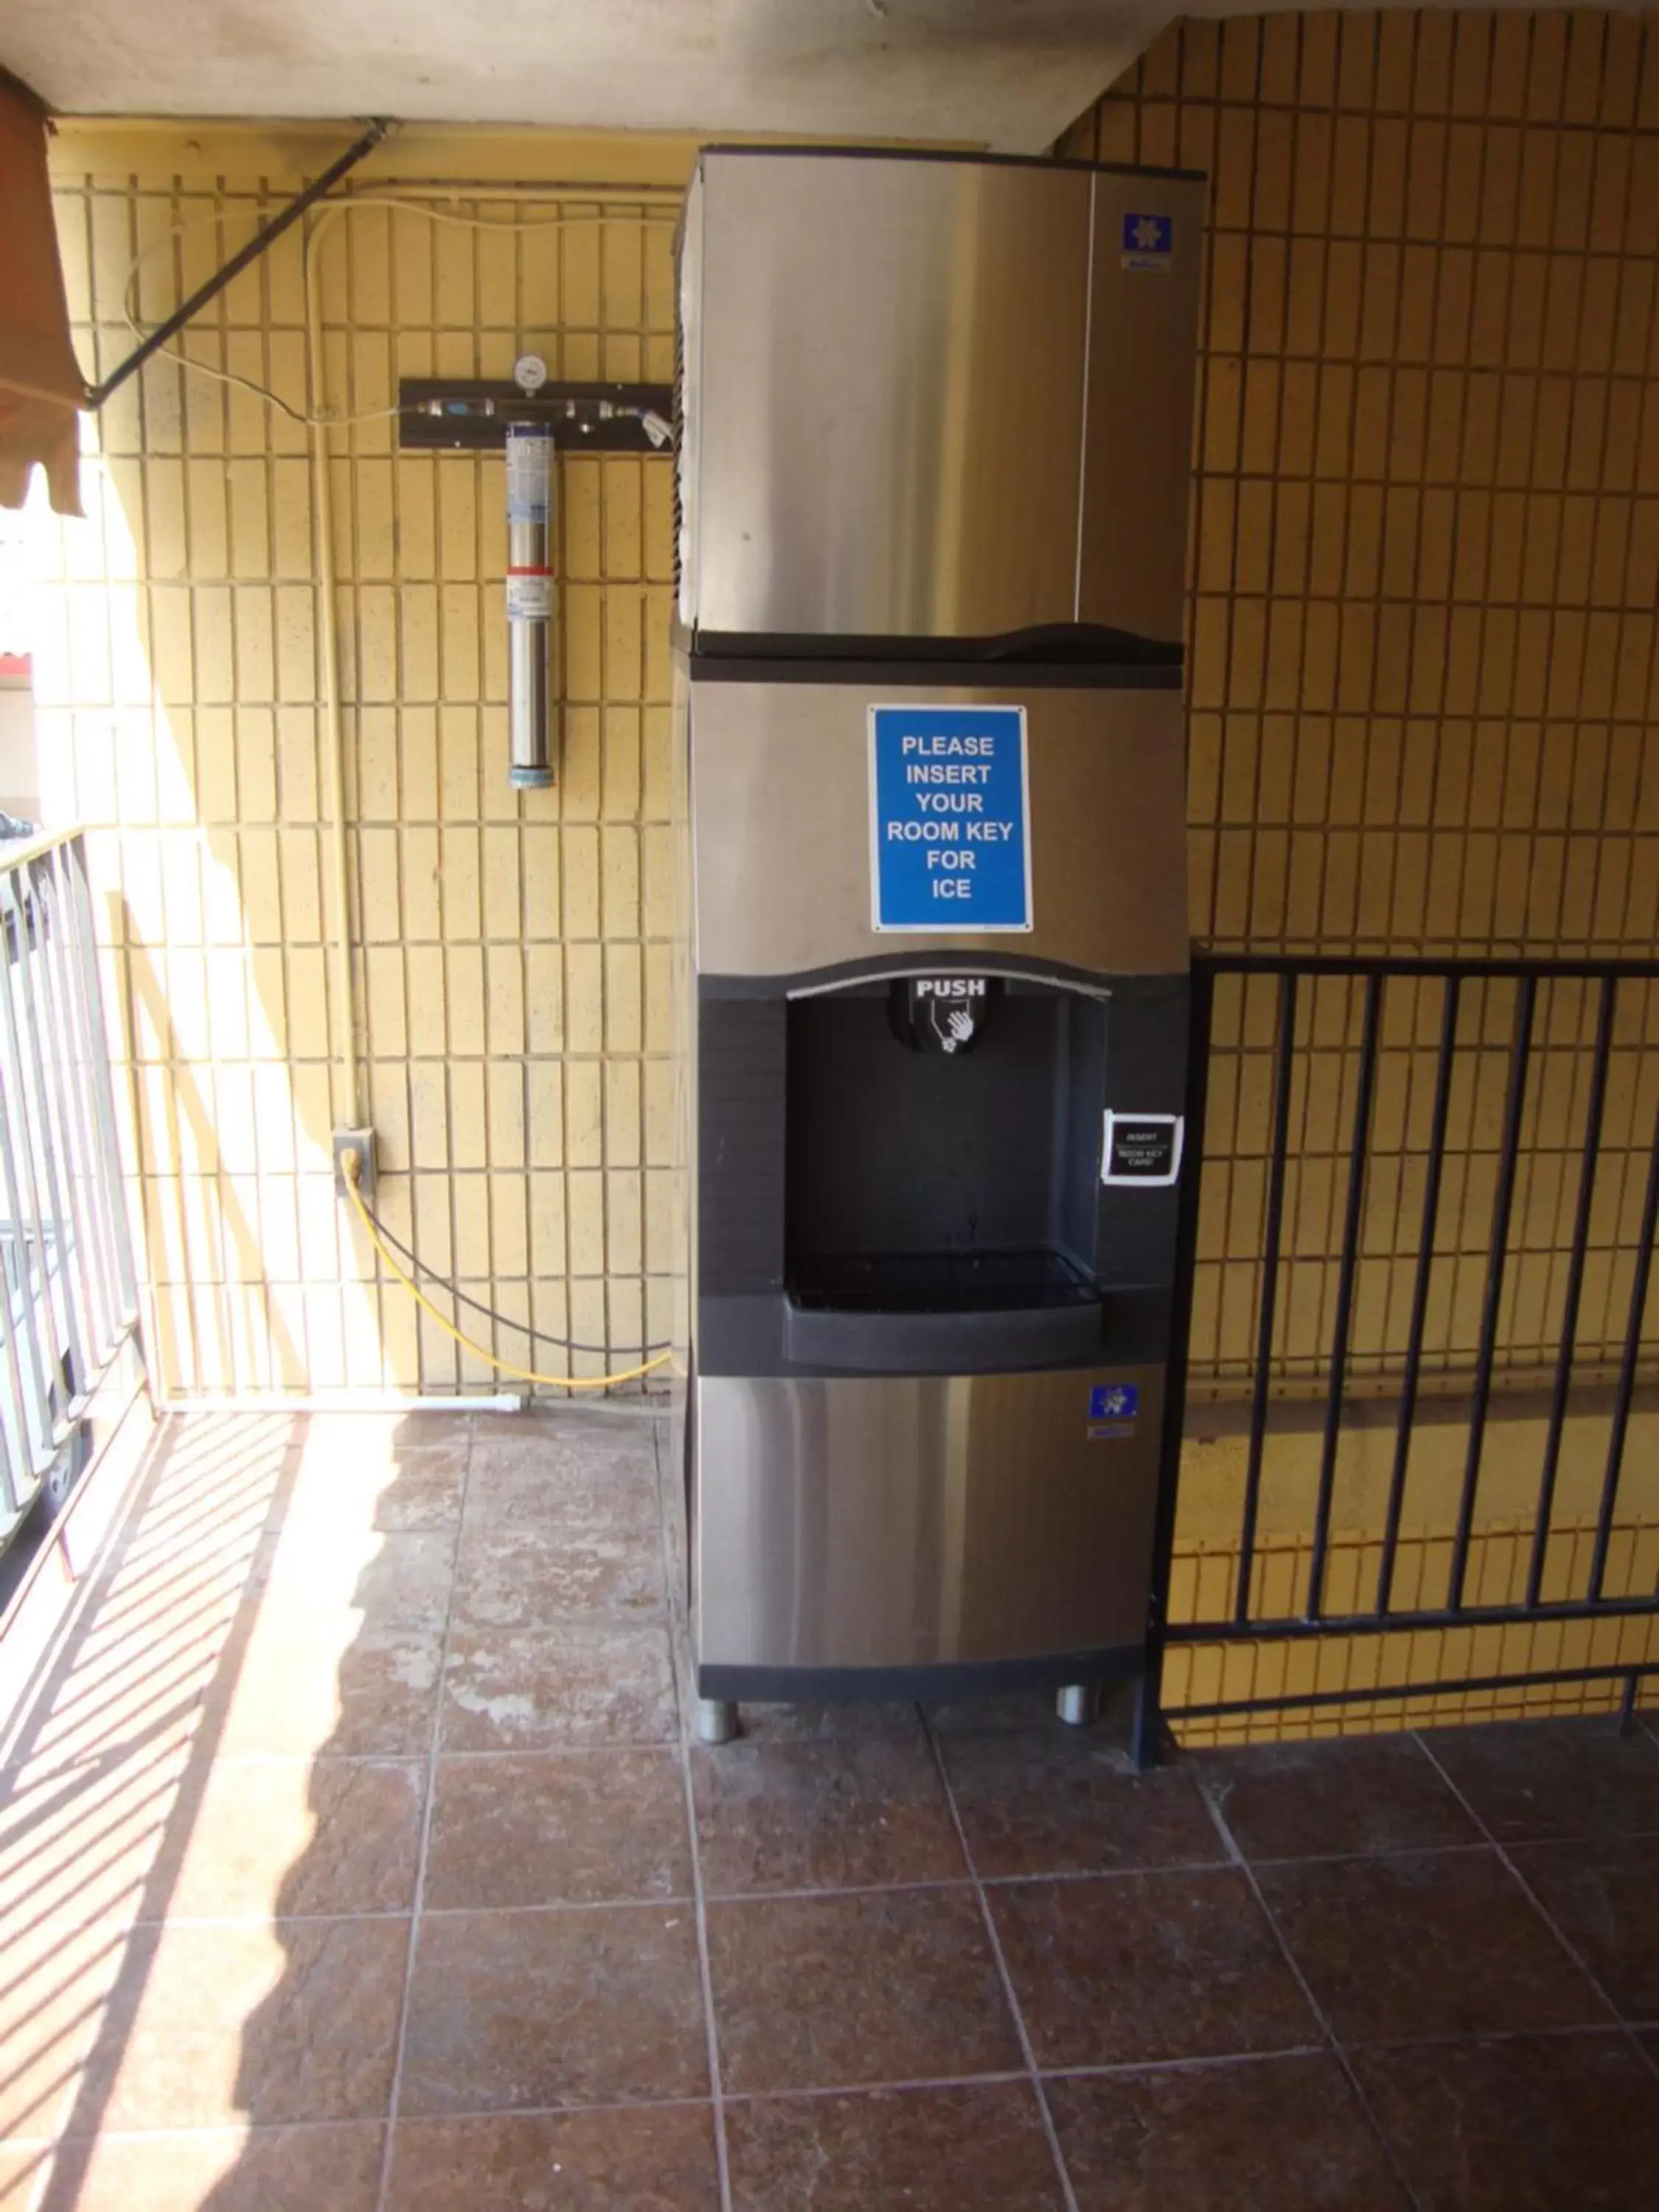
{"points": [[931, 471]]}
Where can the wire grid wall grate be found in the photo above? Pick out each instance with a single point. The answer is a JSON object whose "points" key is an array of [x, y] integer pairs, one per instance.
{"points": [[1424, 650], [1425, 513], [512, 956]]}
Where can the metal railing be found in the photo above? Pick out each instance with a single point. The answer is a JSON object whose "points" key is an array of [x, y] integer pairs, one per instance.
{"points": [[70, 1292], [1544, 1221]]}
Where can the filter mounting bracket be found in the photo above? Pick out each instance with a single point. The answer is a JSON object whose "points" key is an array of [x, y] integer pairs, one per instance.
{"points": [[471, 415]]}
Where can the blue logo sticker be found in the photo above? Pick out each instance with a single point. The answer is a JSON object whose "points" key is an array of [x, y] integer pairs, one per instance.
{"points": [[1113, 1401], [949, 818], [1148, 241]]}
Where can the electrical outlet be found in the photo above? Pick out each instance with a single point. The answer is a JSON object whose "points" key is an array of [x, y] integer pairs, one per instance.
{"points": [[362, 1142]]}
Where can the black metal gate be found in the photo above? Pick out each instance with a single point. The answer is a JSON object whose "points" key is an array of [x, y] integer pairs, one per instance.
{"points": [[1443, 1175]]}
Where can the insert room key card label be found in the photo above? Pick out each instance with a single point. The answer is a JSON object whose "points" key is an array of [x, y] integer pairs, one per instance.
{"points": [[949, 818]]}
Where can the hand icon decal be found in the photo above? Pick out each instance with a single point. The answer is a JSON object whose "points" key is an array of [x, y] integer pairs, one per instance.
{"points": [[954, 1029], [939, 1013]]}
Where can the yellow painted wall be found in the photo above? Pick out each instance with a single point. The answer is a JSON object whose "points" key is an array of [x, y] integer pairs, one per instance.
{"points": [[512, 967]]}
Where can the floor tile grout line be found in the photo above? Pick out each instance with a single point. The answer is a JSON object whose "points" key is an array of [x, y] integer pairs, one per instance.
{"points": [[1207, 2061], [1332, 2041], [1645, 2057], [1134, 2066], [115, 1924], [677, 1654], [1155, 1870], [1222, 1863], [382, 2196], [579, 1905], [917, 2084], [499, 2114], [910, 2085], [1001, 2076], [987, 1920], [1453, 2037], [601, 1747], [808, 1893], [668, 1744], [243, 1761]]}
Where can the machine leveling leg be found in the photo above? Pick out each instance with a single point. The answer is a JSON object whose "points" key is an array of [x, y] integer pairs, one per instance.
{"points": [[1078, 1704], [717, 1720]]}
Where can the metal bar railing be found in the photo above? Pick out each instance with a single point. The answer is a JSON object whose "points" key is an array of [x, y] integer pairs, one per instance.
{"points": [[1353, 1223], [1412, 1375], [38, 1105], [1147, 1723], [1458, 1686], [1246, 1617], [1594, 1115], [81, 1044], [1298, 1628], [62, 1069], [1317, 965], [1284, 1072], [1515, 1106], [103, 1083], [69, 1303], [20, 1150], [1627, 1366]]}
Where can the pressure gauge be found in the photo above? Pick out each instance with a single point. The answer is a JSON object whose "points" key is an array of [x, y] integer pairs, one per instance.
{"points": [[530, 374]]}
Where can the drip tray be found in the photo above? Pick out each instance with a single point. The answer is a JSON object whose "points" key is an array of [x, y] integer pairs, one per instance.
{"points": [[939, 1282], [941, 1312]]}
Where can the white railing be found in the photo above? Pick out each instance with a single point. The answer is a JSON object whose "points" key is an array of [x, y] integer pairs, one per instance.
{"points": [[68, 1298]]}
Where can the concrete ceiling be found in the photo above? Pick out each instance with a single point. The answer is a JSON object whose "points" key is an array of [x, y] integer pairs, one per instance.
{"points": [[1009, 74]]}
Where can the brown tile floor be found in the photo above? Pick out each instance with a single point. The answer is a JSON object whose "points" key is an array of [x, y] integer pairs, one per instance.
{"points": [[353, 1859]]}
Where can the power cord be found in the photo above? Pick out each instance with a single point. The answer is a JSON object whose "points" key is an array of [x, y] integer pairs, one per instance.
{"points": [[420, 1266], [326, 418], [352, 1167]]}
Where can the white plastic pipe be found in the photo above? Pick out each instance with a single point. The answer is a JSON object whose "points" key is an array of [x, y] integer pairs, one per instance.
{"points": [[347, 1112], [272, 1402]]}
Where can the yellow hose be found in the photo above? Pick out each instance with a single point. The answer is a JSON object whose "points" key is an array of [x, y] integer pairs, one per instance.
{"points": [[502, 1366]]}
